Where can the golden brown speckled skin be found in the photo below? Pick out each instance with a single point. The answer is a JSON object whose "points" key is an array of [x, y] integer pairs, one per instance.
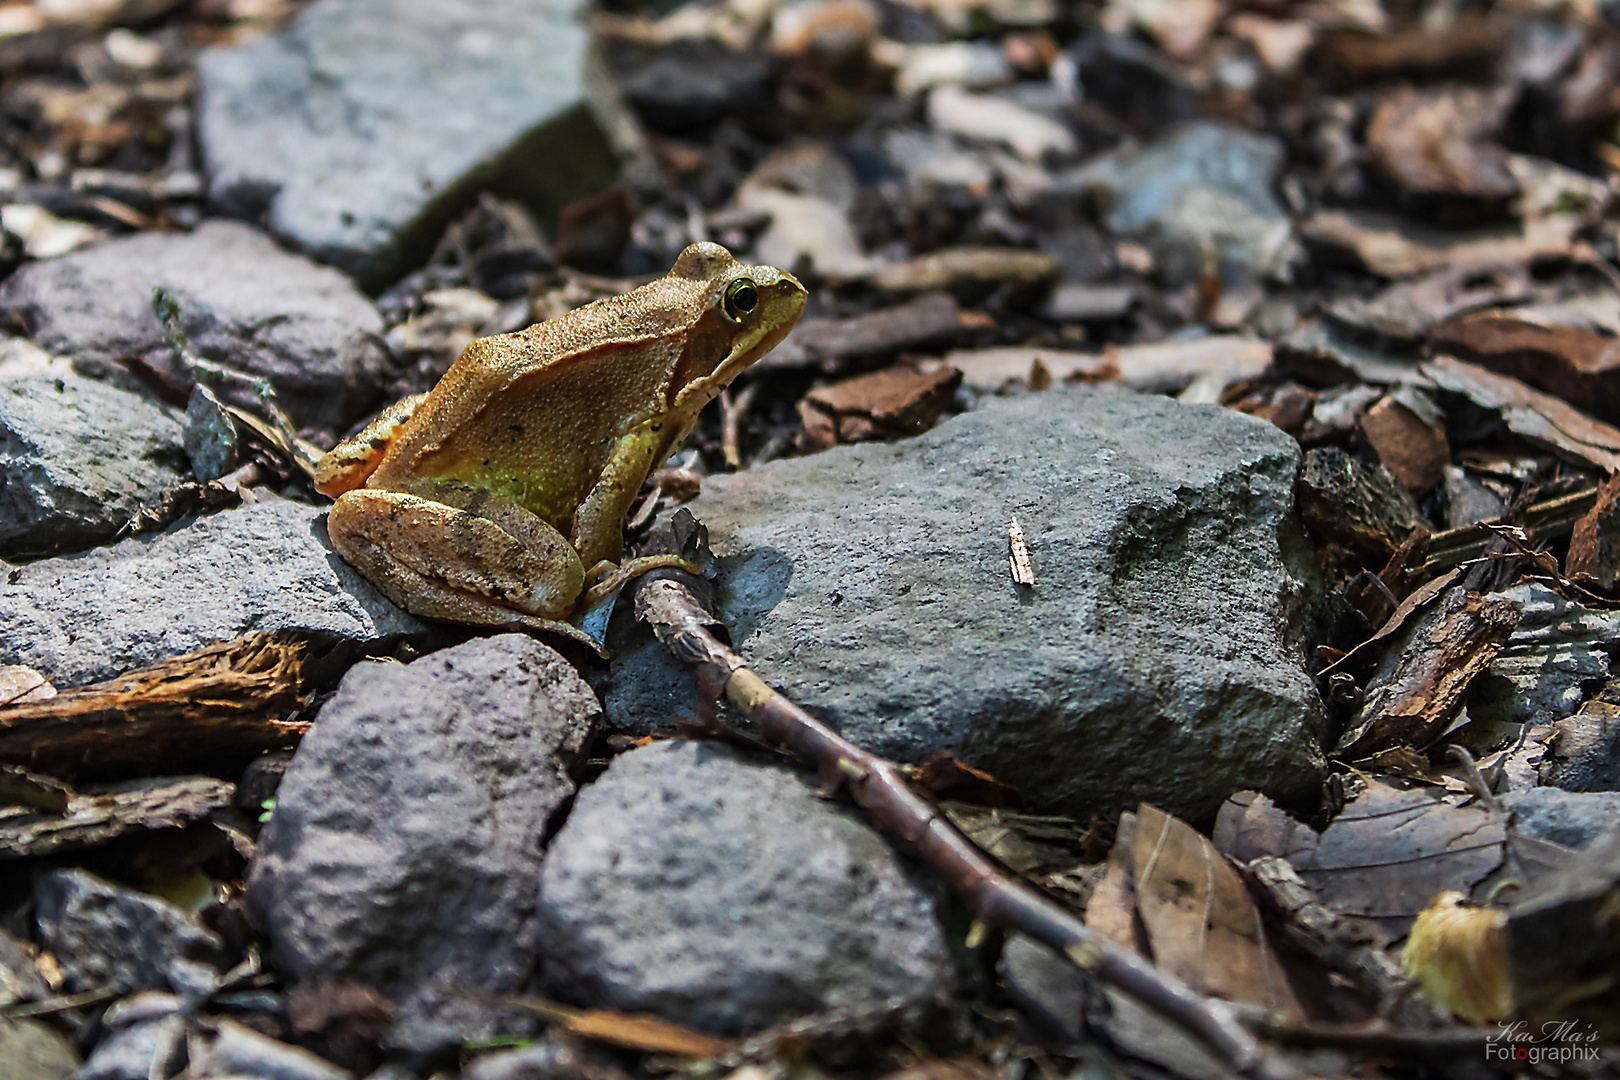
{"points": [[493, 497]]}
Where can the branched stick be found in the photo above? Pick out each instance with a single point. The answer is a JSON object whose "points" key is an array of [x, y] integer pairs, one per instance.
{"points": [[893, 807]]}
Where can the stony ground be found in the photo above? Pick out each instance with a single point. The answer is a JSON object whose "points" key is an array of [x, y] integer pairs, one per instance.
{"points": [[1249, 314]]}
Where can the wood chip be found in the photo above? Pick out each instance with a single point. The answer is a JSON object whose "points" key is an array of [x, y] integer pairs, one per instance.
{"points": [[1399, 247], [229, 699], [922, 323], [1172, 366], [1539, 417], [1576, 364], [1435, 146], [1018, 558], [1409, 436], [1594, 545], [888, 404], [90, 819], [1420, 684], [955, 268], [996, 369]]}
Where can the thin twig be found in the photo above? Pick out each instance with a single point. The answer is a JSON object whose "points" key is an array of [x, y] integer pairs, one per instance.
{"points": [[893, 807], [731, 414]]}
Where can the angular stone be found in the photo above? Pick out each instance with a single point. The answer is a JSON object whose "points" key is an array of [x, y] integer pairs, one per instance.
{"points": [[363, 127], [1573, 819], [1558, 651], [136, 1032], [267, 566], [1157, 657], [244, 303], [107, 937], [726, 895], [1206, 183], [80, 461], [240, 1051], [406, 837]]}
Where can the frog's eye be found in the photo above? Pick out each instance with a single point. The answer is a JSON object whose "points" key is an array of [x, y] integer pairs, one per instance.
{"points": [[740, 299]]}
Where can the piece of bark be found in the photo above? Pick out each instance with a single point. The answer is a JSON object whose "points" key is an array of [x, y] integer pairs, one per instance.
{"points": [[1538, 417], [972, 268], [997, 368], [1398, 247], [1549, 519], [1594, 545], [1350, 54], [22, 787], [1407, 311], [1365, 509], [232, 699], [1408, 434], [831, 344], [1200, 922], [1421, 682], [1170, 366], [1576, 364], [1434, 146], [93, 818], [887, 404]]}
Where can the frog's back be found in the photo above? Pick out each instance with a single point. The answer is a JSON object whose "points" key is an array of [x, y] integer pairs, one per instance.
{"points": [[533, 415]]}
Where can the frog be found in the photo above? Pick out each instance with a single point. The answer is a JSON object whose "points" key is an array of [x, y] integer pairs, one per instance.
{"points": [[498, 497]]}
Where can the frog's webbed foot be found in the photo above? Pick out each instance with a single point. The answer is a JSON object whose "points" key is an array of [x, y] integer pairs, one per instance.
{"points": [[441, 562]]}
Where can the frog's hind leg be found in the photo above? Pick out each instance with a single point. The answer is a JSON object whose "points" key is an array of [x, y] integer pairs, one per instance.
{"points": [[488, 562]]}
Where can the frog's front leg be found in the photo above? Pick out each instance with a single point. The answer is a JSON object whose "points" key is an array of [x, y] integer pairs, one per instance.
{"points": [[599, 521], [445, 551]]}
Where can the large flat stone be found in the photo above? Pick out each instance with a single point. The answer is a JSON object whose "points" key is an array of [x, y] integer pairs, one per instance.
{"points": [[1157, 657], [244, 303], [268, 566], [727, 895], [363, 126], [407, 833]]}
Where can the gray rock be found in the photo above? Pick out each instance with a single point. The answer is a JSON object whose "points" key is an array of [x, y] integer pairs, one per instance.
{"points": [[80, 461], [1573, 819], [1047, 986], [105, 936], [238, 1051], [1134, 80], [1157, 656], [33, 1050], [267, 566], [244, 303], [1559, 649], [1205, 183], [1584, 754], [360, 129], [727, 896], [542, 1061], [139, 1030], [406, 836]]}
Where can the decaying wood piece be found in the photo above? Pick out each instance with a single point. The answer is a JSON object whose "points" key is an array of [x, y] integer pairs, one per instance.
{"points": [[92, 818], [1422, 680], [234, 697], [1018, 555], [1541, 418], [1594, 545], [1549, 519], [878, 786]]}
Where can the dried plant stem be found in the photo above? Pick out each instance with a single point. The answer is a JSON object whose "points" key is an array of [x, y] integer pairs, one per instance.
{"points": [[878, 786]]}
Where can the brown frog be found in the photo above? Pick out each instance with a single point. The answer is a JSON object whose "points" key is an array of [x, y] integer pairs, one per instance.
{"points": [[499, 496]]}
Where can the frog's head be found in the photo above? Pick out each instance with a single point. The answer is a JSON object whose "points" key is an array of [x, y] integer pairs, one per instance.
{"points": [[748, 311]]}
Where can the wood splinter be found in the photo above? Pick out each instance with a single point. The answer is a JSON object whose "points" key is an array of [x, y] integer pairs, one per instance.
{"points": [[1022, 572]]}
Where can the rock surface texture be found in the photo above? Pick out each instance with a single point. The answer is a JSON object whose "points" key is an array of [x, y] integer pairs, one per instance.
{"points": [[726, 895], [262, 567], [244, 303], [106, 936], [407, 833], [79, 461], [1155, 658], [359, 129]]}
